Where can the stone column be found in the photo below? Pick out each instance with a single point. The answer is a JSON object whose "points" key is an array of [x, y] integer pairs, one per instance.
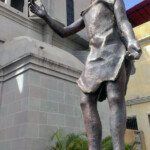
{"points": [[47, 34], [25, 9]]}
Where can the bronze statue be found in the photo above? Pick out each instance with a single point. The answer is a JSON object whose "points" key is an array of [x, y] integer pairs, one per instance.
{"points": [[112, 48]]}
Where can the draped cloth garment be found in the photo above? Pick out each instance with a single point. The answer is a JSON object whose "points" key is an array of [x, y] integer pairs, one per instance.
{"points": [[107, 50]]}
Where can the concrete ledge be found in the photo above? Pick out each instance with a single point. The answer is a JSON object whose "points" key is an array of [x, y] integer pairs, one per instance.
{"points": [[38, 64], [21, 46], [144, 40], [23, 54], [138, 101]]}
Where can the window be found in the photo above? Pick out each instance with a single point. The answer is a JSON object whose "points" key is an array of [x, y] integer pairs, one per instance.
{"points": [[17, 4], [4, 1], [70, 11], [132, 123]]}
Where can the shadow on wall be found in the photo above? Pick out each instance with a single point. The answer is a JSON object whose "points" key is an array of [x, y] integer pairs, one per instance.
{"points": [[81, 55]]}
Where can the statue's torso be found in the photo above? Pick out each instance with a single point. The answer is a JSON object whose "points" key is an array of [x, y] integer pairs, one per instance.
{"points": [[99, 20], [107, 51], [102, 28]]}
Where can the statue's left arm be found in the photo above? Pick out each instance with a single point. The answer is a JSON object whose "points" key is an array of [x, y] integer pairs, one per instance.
{"points": [[126, 30]]}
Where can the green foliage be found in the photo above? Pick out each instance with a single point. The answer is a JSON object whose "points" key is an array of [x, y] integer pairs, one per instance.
{"points": [[107, 143], [69, 142], [74, 141], [131, 146]]}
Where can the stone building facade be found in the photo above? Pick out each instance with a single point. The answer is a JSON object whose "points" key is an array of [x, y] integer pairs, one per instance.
{"points": [[138, 98], [138, 94], [38, 73]]}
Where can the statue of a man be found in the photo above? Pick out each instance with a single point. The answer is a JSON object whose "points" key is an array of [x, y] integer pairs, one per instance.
{"points": [[107, 69]]}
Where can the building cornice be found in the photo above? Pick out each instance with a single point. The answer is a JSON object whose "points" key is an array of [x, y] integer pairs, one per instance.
{"points": [[144, 40], [39, 64], [138, 101]]}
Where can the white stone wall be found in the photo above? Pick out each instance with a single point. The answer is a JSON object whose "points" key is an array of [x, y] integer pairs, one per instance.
{"points": [[15, 23], [43, 96], [34, 105], [38, 95]]}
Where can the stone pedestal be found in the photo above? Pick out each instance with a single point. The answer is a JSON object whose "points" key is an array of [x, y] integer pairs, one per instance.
{"points": [[38, 94]]}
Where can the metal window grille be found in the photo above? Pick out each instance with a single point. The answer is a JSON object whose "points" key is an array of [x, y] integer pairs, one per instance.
{"points": [[17, 4], [132, 123], [70, 11]]}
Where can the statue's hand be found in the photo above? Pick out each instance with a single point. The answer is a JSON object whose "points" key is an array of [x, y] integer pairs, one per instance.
{"points": [[38, 10], [134, 51]]}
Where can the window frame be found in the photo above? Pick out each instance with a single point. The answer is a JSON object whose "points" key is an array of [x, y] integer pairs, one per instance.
{"points": [[5, 1], [70, 21], [132, 117], [7, 5], [16, 5]]}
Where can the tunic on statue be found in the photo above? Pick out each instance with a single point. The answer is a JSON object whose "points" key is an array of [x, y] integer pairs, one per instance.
{"points": [[107, 50]]}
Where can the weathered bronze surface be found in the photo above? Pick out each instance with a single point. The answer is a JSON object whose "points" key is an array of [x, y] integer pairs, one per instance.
{"points": [[112, 48]]}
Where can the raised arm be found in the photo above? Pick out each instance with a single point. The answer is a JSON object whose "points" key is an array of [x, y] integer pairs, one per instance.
{"points": [[55, 25], [133, 47], [64, 31]]}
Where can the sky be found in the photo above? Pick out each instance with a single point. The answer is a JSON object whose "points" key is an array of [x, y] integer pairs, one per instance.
{"points": [[131, 3]]}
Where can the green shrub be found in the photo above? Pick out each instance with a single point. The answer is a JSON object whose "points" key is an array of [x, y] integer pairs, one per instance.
{"points": [[74, 141], [69, 142], [107, 143]]}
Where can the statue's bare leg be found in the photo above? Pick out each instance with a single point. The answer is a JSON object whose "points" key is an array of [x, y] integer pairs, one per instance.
{"points": [[115, 95], [92, 120]]}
